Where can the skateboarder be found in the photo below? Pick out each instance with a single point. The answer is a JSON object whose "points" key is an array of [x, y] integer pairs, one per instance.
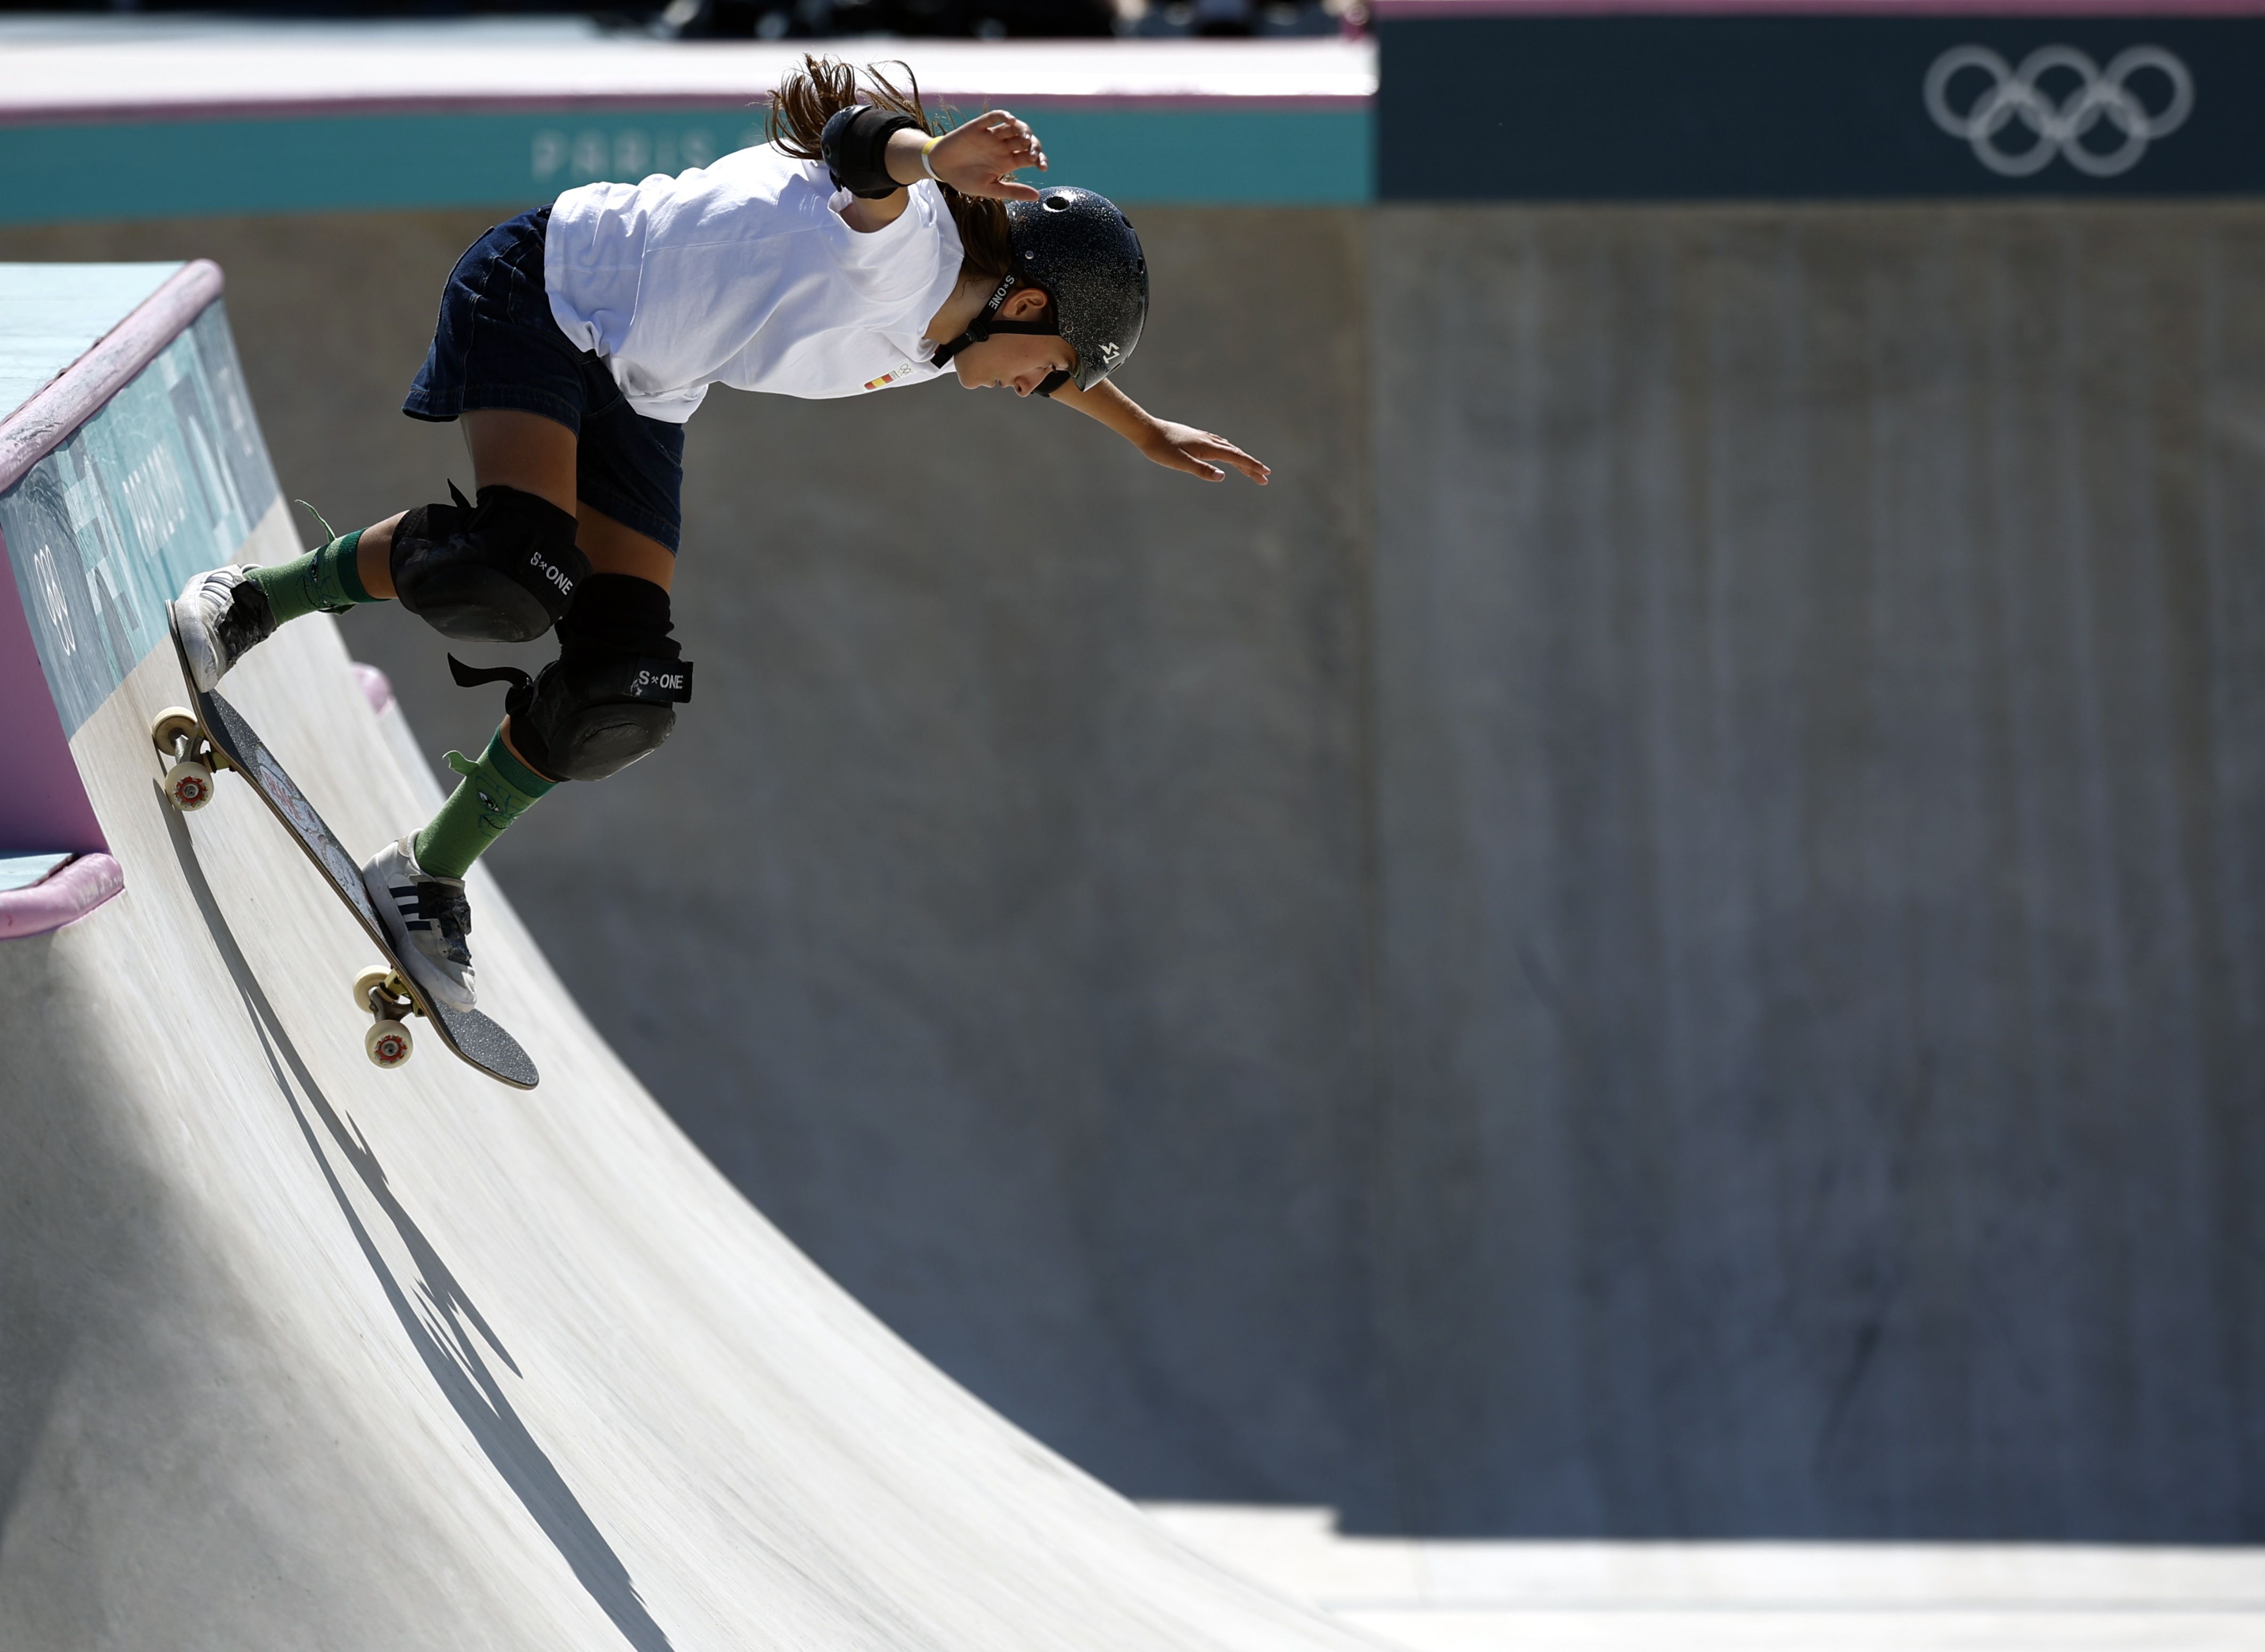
{"points": [[858, 250]]}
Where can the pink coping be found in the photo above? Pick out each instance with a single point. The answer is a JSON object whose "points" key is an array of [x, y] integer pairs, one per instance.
{"points": [[376, 686], [70, 891], [44, 805]]}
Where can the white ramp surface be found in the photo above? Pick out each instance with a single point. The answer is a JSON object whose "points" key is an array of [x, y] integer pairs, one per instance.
{"points": [[297, 1353]]}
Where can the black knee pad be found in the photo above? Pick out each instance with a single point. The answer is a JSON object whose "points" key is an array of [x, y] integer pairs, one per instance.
{"points": [[611, 696], [593, 712], [502, 570]]}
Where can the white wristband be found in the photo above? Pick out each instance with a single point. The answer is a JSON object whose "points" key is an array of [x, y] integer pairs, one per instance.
{"points": [[925, 164]]}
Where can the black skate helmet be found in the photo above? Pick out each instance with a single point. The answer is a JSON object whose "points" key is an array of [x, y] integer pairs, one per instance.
{"points": [[1077, 247]]}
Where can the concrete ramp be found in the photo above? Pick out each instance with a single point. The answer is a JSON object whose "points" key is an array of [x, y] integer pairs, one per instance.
{"points": [[297, 1353]]}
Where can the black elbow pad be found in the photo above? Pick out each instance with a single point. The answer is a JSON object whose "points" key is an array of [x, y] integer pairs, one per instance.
{"points": [[856, 144]]}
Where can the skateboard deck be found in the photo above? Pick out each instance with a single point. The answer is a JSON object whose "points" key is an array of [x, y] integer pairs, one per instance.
{"points": [[471, 1036]]}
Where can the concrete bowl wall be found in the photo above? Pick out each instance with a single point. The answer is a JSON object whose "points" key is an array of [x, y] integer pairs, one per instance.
{"points": [[995, 917]]}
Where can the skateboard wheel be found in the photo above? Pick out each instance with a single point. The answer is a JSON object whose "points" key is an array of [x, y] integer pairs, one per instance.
{"points": [[372, 980], [387, 1044], [189, 784], [172, 727]]}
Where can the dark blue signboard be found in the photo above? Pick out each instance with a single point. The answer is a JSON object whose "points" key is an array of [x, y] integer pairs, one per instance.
{"points": [[1818, 107]]}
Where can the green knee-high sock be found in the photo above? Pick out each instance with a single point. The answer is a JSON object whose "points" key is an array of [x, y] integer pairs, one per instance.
{"points": [[495, 792], [325, 581]]}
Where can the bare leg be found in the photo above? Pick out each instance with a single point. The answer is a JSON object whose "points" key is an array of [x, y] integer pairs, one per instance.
{"points": [[510, 450], [526, 451], [535, 455], [613, 549], [373, 557]]}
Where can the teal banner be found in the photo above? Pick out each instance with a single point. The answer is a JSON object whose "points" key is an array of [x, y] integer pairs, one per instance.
{"points": [[1306, 156]]}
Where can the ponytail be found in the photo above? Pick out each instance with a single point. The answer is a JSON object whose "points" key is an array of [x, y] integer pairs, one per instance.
{"points": [[810, 96]]}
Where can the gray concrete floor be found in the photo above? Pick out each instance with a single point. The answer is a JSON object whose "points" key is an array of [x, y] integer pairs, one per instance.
{"points": [[1452, 1596]]}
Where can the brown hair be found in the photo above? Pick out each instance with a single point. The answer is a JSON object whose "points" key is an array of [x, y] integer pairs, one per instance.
{"points": [[810, 96]]}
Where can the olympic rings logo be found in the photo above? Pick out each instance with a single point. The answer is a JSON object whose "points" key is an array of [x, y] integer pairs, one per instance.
{"points": [[2015, 97]]}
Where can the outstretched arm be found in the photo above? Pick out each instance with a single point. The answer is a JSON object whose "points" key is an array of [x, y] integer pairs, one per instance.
{"points": [[1201, 453]]}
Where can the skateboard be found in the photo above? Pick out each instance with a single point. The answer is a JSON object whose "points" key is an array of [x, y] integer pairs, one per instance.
{"points": [[214, 737]]}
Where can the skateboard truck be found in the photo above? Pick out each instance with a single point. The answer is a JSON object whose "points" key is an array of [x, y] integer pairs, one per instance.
{"points": [[380, 990], [181, 740]]}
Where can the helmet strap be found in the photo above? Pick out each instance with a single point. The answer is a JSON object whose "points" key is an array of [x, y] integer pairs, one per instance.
{"points": [[988, 322]]}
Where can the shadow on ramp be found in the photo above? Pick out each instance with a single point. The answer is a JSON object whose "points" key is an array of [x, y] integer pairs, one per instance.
{"points": [[437, 1316]]}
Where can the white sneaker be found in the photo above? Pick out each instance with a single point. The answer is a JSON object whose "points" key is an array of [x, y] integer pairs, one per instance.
{"points": [[222, 616], [427, 919]]}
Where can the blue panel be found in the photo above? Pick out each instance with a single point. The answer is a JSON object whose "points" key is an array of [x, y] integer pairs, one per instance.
{"points": [[163, 169], [169, 476], [1619, 107], [57, 313], [21, 871]]}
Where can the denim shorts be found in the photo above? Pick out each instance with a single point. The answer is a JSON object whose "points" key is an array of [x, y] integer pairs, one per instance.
{"points": [[496, 346]]}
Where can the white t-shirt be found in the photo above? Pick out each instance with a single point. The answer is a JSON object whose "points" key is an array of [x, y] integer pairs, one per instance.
{"points": [[743, 273]]}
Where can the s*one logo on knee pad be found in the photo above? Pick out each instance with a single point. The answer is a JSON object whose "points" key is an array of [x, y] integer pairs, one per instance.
{"points": [[2058, 102], [552, 572]]}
